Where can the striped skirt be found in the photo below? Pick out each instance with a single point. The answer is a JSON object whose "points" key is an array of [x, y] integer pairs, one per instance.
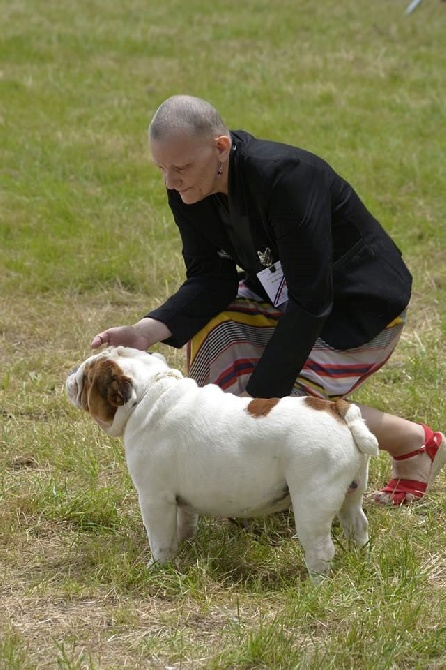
{"points": [[227, 349]]}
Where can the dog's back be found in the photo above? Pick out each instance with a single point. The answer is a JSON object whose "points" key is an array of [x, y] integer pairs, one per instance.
{"points": [[230, 456]]}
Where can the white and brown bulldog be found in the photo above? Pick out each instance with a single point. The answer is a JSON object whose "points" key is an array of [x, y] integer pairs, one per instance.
{"points": [[194, 450]]}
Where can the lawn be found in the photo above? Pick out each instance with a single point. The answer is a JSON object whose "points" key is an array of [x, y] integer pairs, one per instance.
{"points": [[87, 242]]}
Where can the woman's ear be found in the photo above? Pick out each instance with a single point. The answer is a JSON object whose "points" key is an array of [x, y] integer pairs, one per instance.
{"points": [[224, 145]]}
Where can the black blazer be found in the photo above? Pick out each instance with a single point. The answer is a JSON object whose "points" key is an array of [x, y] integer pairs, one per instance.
{"points": [[345, 276]]}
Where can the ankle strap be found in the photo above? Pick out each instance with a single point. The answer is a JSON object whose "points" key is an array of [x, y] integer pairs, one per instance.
{"points": [[430, 447]]}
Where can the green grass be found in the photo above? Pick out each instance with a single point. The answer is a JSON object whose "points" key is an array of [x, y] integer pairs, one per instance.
{"points": [[86, 242]]}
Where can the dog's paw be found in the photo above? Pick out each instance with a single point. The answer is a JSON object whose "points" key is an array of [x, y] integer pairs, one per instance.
{"points": [[158, 563], [318, 578]]}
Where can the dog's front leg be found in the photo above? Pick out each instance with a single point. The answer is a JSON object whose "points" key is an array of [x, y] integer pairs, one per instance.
{"points": [[160, 521]]}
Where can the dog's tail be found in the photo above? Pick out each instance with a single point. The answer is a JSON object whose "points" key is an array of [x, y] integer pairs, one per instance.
{"points": [[364, 439]]}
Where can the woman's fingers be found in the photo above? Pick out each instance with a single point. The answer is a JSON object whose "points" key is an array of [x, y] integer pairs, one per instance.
{"points": [[99, 340]]}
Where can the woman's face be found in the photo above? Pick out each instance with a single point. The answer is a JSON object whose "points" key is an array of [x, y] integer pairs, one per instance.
{"points": [[189, 164]]}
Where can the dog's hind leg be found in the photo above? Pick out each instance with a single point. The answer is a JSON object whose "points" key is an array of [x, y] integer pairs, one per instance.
{"points": [[353, 520], [186, 523], [313, 529], [319, 550], [351, 515]]}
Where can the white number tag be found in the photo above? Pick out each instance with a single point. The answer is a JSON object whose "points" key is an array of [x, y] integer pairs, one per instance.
{"points": [[274, 282]]}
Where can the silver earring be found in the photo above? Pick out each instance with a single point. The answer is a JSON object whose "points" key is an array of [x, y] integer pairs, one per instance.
{"points": [[220, 169]]}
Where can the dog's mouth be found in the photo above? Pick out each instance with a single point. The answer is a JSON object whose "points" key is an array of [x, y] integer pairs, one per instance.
{"points": [[72, 388], [102, 424]]}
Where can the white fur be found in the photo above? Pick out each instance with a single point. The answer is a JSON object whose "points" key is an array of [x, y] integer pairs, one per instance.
{"points": [[195, 451]]}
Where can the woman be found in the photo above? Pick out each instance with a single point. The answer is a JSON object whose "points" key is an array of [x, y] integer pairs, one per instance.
{"points": [[292, 286]]}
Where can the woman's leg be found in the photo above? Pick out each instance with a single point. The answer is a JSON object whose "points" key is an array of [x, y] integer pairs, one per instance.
{"points": [[226, 351], [395, 435], [400, 437], [417, 452]]}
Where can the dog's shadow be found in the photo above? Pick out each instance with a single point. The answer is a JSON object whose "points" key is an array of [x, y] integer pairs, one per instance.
{"points": [[252, 556], [259, 553], [255, 554]]}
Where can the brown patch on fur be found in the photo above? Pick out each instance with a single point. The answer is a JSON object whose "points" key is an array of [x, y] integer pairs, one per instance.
{"points": [[338, 408], [261, 406], [342, 407], [104, 389]]}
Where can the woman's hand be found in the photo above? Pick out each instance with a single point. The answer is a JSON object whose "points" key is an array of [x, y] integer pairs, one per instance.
{"points": [[141, 335]]}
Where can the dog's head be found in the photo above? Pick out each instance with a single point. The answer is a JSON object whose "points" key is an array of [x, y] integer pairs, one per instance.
{"points": [[110, 384]]}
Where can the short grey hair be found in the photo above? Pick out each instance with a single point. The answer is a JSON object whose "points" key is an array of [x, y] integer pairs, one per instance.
{"points": [[185, 113]]}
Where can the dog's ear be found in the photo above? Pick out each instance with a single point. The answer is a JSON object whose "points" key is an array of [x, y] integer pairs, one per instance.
{"points": [[119, 390], [105, 388]]}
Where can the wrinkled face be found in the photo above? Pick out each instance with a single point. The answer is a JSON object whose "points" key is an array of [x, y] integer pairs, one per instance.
{"points": [[100, 387], [110, 384], [190, 164]]}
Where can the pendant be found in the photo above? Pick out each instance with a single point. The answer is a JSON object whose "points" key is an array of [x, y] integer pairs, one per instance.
{"points": [[265, 257]]}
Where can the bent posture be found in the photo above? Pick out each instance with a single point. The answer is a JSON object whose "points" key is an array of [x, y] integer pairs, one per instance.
{"points": [[321, 302]]}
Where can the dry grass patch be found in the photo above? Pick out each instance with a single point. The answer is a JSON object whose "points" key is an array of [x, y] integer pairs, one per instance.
{"points": [[75, 589]]}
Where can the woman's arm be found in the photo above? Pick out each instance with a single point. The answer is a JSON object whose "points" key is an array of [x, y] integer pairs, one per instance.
{"points": [[300, 213]]}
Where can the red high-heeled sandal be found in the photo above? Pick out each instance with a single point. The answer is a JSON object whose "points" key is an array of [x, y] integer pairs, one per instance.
{"points": [[435, 448]]}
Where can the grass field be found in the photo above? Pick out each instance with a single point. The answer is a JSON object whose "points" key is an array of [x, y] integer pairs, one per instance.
{"points": [[87, 242]]}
